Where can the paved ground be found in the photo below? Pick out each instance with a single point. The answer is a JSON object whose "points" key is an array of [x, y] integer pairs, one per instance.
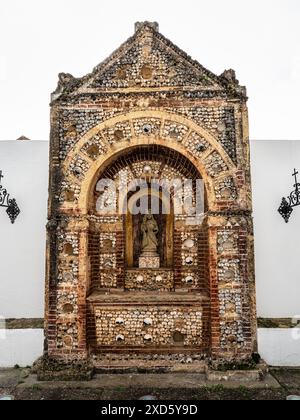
{"points": [[23, 386]]}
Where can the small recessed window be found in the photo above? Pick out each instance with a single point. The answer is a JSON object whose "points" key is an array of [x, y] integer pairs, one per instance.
{"points": [[68, 308], [147, 129], [178, 337], [68, 249]]}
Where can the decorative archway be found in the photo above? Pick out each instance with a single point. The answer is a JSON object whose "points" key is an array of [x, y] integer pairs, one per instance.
{"points": [[103, 143], [173, 284]]}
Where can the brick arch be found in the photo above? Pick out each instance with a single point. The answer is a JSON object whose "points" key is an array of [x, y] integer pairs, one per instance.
{"points": [[88, 184], [164, 156], [112, 151]]}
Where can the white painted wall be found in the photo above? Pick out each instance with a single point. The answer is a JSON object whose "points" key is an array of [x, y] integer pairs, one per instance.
{"points": [[277, 244], [280, 347], [22, 247], [20, 347]]}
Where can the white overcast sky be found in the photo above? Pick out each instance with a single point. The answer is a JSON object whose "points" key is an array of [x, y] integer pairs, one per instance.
{"points": [[260, 39]]}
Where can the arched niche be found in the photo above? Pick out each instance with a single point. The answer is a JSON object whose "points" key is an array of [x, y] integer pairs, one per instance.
{"points": [[162, 209], [154, 166]]}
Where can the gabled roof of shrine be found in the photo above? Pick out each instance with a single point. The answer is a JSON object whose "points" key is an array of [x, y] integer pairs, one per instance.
{"points": [[148, 61]]}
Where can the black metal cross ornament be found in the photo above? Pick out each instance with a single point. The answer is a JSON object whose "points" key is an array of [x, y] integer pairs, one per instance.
{"points": [[296, 180], [12, 208], [293, 200]]}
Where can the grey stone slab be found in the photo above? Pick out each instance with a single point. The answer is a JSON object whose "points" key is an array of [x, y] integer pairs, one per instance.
{"points": [[9, 378], [151, 381]]}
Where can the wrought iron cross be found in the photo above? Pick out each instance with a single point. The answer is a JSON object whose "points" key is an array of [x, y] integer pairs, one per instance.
{"points": [[12, 208], [293, 200], [296, 180]]}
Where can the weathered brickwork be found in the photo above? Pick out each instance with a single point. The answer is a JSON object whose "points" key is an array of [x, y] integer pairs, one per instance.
{"points": [[226, 190], [149, 112], [74, 123]]}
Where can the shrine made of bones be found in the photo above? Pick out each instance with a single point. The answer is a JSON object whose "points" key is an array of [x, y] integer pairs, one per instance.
{"points": [[124, 286]]}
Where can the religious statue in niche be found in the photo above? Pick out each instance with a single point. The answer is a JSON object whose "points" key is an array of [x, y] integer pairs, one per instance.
{"points": [[149, 257], [149, 231]]}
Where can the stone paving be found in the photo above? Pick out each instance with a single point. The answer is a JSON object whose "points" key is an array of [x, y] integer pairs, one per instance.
{"points": [[23, 386]]}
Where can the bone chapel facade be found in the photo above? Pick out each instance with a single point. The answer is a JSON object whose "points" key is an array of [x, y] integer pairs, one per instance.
{"points": [[144, 286]]}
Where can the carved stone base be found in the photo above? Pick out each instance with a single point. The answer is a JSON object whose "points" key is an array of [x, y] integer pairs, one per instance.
{"points": [[149, 261]]}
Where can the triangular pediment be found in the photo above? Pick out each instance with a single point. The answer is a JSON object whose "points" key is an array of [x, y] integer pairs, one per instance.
{"points": [[147, 60]]}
